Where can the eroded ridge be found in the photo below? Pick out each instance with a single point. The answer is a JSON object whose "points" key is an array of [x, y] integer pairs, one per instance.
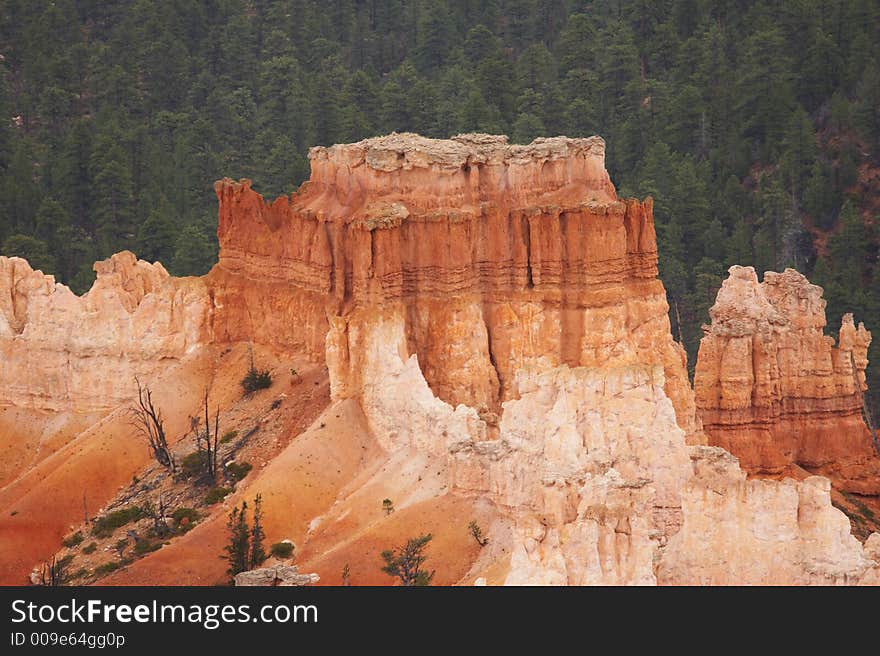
{"points": [[773, 389], [493, 256]]}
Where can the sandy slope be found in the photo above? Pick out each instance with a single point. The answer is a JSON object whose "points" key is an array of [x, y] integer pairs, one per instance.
{"points": [[296, 485], [27, 436], [48, 498], [322, 478], [325, 492]]}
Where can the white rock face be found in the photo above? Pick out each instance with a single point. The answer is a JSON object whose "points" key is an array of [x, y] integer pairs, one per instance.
{"points": [[758, 531], [366, 357], [589, 463], [594, 472], [64, 352]]}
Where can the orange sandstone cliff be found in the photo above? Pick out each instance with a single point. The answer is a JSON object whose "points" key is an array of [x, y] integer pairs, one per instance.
{"points": [[492, 256], [775, 391], [496, 343]]}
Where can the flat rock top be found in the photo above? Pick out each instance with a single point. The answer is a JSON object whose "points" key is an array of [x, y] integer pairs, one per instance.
{"points": [[408, 150]]}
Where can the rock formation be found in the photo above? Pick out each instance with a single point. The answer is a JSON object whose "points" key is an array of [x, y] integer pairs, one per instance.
{"points": [[773, 389], [494, 313], [64, 352], [760, 531], [489, 256], [275, 576]]}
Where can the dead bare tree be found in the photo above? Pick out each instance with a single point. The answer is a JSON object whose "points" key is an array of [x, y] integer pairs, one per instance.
{"points": [[678, 323], [157, 513], [147, 419], [53, 573], [207, 443]]}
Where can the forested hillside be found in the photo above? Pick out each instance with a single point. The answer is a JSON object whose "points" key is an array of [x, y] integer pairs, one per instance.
{"points": [[755, 125]]}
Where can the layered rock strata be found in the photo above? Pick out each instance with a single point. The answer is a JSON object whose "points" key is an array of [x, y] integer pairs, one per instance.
{"points": [[586, 452], [775, 391], [492, 256]]}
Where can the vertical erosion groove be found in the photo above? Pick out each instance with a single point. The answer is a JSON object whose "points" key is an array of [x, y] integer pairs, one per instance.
{"points": [[527, 237], [496, 400]]}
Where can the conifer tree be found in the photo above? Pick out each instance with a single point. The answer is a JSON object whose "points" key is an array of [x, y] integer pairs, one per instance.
{"points": [[156, 236], [192, 253], [258, 551], [35, 251], [238, 548], [406, 562]]}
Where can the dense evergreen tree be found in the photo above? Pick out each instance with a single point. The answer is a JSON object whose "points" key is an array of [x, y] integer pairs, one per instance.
{"points": [[849, 251], [156, 236], [755, 125], [192, 254], [35, 251]]}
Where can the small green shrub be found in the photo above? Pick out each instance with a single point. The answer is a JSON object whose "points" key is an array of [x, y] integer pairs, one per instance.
{"points": [[82, 572], [62, 563], [256, 380], [13, 513], [73, 540], [106, 568], [143, 547], [90, 548], [216, 494], [104, 526], [186, 522], [190, 514], [228, 437], [281, 549], [477, 533], [194, 464], [238, 470]]}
